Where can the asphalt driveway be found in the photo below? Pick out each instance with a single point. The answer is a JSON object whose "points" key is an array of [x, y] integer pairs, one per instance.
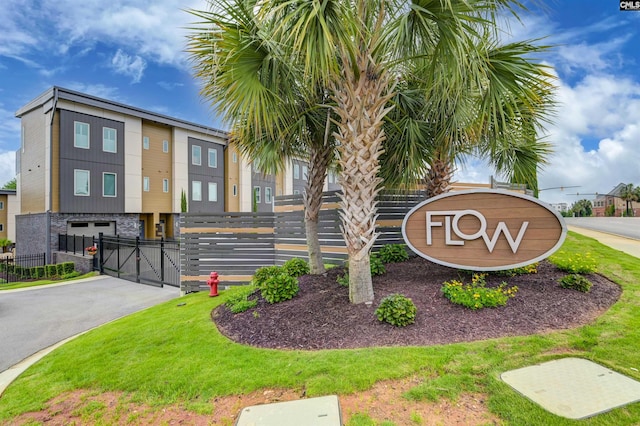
{"points": [[34, 319]]}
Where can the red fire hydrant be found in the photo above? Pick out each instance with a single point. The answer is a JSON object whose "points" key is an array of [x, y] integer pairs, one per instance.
{"points": [[213, 283]]}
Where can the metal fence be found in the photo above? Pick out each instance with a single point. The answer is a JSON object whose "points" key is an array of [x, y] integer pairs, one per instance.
{"points": [[155, 262], [20, 268]]}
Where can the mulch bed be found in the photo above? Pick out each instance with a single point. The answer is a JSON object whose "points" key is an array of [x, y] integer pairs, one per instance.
{"points": [[321, 317]]}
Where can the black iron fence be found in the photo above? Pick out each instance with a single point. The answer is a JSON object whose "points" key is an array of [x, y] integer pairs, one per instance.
{"points": [[20, 268], [75, 244]]}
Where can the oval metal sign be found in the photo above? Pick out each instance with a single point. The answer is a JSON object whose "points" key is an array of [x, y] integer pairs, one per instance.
{"points": [[483, 230]]}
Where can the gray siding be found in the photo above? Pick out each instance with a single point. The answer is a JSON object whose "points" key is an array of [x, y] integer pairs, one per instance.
{"points": [[263, 181], [205, 174], [95, 160], [31, 234]]}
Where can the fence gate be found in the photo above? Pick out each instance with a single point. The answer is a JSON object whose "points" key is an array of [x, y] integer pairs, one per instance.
{"points": [[144, 261]]}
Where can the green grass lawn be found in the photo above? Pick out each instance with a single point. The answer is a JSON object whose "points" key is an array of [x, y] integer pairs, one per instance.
{"points": [[13, 286], [172, 353]]}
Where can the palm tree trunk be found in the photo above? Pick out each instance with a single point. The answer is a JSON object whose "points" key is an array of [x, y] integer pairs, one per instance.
{"points": [[360, 100], [312, 199], [438, 180]]}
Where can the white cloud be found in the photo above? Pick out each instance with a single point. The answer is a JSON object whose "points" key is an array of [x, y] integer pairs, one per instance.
{"points": [[7, 166], [99, 90], [132, 66]]}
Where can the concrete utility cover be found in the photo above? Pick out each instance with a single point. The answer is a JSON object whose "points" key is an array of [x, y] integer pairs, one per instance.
{"points": [[573, 388], [322, 411]]}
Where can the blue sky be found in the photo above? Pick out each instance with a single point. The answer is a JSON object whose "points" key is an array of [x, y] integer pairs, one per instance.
{"points": [[132, 51]]}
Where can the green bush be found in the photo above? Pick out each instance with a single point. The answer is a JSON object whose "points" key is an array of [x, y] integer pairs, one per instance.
{"points": [[393, 253], [39, 271], [377, 266], [523, 270], [10, 268], [70, 275], [576, 282], [264, 273], [296, 267], [239, 301], [3, 267], [574, 263], [52, 271], [68, 267], [343, 280], [60, 269], [476, 295], [397, 310], [279, 288], [17, 270]]}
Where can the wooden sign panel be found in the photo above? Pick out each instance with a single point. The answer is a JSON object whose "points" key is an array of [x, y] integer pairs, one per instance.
{"points": [[483, 230]]}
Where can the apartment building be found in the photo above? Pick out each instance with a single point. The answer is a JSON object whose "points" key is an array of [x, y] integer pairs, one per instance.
{"points": [[88, 165], [9, 206], [612, 203]]}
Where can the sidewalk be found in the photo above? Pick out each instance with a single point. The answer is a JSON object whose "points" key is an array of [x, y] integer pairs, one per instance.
{"points": [[627, 245]]}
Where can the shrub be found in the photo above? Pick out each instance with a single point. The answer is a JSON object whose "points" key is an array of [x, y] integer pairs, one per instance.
{"points": [[576, 282], [3, 267], [279, 288], [60, 269], [377, 267], [264, 273], [574, 263], [523, 270], [397, 310], [343, 280], [393, 253], [39, 271], [17, 270], [296, 267], [52, 270], [476, 295], [239, 301], [68, 267], [71, 275], [10, 268]]}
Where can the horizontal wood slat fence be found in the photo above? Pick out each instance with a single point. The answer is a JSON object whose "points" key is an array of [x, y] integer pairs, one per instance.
{"points": [[236, 244]]}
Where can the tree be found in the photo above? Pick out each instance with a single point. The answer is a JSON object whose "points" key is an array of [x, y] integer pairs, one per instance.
{"points": [[629, 194], [274, 116], [582, 208], [183, 202], [12, 184], [493, 111], [358, 51]]}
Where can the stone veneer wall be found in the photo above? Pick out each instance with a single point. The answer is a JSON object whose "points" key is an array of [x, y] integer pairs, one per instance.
{"points": [[126, 224], [83, 264], [31, 229], [31, 234]]}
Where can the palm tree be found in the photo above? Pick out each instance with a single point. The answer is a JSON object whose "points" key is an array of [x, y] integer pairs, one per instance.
{"points": [[629, 195], [359, 50], [495, 113], [274, 118]]}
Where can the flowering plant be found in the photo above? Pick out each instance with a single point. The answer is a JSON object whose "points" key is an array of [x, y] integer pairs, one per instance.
{"points": [[91, 250]]}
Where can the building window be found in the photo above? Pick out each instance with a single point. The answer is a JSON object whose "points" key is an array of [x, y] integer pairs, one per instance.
{"points": [[109, 184], [213, 192], [22, 137], [1, 205], [256, 194], [235, 190], [213, 157], [296, 192], [81, 183], [196, 190], [1, 227], [196, 155], [145, 142], [145, 184], [165, 146], [109, 137], [296, 171], [81, 135], [165, 185], [268, 195], [234, 157], [305, 172]]}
